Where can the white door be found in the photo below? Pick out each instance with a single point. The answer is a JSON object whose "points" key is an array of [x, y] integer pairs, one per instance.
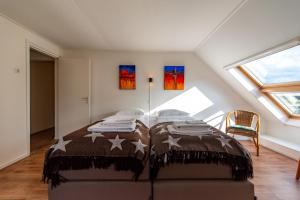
{"points": [[73, 95]]}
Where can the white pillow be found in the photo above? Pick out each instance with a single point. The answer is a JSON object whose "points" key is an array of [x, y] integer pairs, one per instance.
{"points": [[171, 113], [131, 112]]}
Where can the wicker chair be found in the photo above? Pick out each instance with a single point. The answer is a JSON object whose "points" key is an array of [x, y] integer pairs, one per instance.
{"points": [[243, 125]]}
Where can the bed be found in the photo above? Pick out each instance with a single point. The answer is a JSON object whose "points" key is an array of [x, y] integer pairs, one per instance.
{"points": [[163, 171], [197, 166], [91, 165]]}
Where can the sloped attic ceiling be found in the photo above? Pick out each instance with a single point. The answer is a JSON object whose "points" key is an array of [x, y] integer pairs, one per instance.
{"points": [[221, 32], [168, 25], [257, 26]]}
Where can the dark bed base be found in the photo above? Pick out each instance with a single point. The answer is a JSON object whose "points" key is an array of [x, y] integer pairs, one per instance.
{"points": [[160, 190], [104, 190], [203, 189]]}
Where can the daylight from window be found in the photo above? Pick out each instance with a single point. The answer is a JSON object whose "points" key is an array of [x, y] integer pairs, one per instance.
{"points": [[277, 77], [290, 100], [280, 67]]}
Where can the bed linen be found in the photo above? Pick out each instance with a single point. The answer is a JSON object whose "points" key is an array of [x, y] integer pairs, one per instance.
{"points": [[160, 119], [215, 148], [83, 150]]}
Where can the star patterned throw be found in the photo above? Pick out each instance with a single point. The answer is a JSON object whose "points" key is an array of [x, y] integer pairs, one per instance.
{"points": [[94, 135], [60, 145], [207, 134], [163, 130], [159, 126], [116, 143], [172, 141], [139, 146], [224, 142], [201, 136], [138, 131], [152, 151]]}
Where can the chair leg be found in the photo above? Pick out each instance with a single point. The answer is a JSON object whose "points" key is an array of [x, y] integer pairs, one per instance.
{"points": [[257, 149], [256, 142], [298, 171]]}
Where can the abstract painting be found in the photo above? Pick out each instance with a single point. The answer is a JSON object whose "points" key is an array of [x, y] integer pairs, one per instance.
{"points": [[127, 77], [174, 77]]}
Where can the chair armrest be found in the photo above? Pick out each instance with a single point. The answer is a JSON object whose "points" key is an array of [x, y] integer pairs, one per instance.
{"points": [[228, 119], [258, 123]]}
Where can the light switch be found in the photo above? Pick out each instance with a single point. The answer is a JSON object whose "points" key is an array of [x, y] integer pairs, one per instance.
{"points": [[16, 70]]}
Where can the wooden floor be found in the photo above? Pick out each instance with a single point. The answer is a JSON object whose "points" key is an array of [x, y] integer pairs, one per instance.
{"points": [[41, 139], [274, 177]]}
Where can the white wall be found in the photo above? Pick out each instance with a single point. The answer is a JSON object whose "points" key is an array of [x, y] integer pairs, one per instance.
{"points": [[13, 115], [107, 98], [257, 26]]}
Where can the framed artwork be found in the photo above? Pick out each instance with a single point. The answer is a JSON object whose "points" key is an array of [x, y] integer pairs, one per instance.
{"points": [[127, 77], [174, 78]]}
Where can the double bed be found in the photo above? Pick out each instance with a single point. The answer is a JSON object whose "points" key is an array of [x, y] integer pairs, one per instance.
{"points": [[171, 166]]}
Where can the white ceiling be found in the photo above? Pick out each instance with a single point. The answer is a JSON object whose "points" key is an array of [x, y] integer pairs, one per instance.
{"points": [[150, 25]]}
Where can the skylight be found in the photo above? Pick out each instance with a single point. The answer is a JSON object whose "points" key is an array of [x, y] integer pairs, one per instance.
{"points": [[291, 101], [281, 67], [277, 76]]}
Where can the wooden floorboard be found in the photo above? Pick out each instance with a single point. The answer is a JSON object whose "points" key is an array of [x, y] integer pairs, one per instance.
{"points": [[41, 139], [274, 177]]}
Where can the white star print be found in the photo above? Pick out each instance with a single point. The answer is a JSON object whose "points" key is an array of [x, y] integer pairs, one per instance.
{"points": [[163, 130], [139, 146], [116, 143], [224, 142], [172, 141], [159, 126], [60, 145], [94, 135]]}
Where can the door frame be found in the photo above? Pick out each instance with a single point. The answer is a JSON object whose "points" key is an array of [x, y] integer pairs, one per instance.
{"points": [[31, 45]]}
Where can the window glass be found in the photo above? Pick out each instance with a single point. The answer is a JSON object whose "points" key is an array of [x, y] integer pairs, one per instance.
{"points": [[281, 67], [291, 101]]}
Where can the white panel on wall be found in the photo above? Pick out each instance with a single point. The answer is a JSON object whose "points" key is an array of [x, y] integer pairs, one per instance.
{"points": [[73, 94]]}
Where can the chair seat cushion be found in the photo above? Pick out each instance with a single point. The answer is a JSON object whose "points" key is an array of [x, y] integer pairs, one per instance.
{"points": [[247, 128], [242, 130]]}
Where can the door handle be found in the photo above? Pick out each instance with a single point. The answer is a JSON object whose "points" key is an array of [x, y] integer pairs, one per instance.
{"points": [[85, 100]]}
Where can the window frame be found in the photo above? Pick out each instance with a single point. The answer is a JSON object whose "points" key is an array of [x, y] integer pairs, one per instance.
{"points": [[267, 89]]}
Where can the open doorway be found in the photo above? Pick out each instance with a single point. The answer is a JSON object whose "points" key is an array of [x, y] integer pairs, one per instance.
{"points": [[42, 100]]}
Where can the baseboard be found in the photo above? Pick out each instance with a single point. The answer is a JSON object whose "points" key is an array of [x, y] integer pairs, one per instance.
{"points": [[285, 148], [13, 161]]}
